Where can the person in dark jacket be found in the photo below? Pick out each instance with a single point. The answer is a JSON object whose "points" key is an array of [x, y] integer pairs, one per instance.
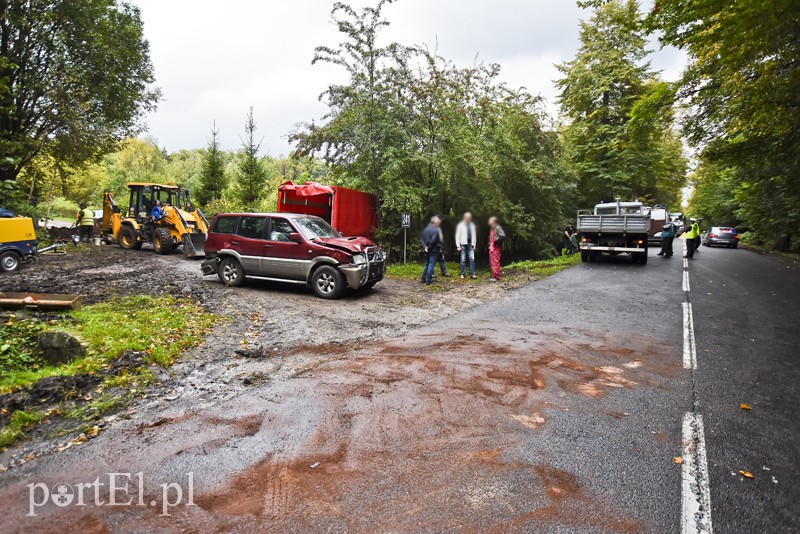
{"points": [[569, 240], [668, 232], [496, 238], [432, 246]]}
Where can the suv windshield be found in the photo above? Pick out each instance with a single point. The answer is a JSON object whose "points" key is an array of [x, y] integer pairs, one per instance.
{"points": [[314, 228]]}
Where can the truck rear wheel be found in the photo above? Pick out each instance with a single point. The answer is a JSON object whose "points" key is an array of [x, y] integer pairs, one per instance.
{"points": [[328, 282], [584, 256], [162, 241], [129, 238], [9, 261]]}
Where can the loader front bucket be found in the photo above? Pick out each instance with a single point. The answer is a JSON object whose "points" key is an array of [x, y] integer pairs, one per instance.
{"points": [[194, 245]]}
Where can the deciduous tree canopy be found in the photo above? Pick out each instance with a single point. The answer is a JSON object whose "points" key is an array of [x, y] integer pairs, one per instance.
{"points": [[75, 75], [742, 95]]}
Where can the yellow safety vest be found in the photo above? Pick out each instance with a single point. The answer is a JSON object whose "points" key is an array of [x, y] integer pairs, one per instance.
{"points": [[88, 217], [694, 231]]}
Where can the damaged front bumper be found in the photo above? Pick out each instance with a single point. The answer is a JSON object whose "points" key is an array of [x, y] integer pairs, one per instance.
{"points": [[373, 270], [210, 265]]}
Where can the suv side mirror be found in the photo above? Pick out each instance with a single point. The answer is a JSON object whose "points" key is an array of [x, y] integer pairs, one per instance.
{"points": [[295, 237]]}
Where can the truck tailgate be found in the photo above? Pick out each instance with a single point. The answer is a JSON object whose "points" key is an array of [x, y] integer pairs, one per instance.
{"points": [[614, 224]]}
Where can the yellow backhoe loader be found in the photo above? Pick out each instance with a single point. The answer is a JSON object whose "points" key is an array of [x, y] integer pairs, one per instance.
{"points": [[177, 223]]}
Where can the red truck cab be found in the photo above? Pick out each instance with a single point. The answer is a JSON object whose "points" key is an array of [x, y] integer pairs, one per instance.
{"points": [[291, 247]]}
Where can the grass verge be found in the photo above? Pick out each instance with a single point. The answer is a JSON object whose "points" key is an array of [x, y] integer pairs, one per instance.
{"points": [[542, 268], [157, 329], [19, 423], [536, 268]]}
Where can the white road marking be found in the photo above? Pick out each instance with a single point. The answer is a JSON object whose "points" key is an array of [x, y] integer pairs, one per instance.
{"points": [[695, 491], [686, 280], [689, 349]]}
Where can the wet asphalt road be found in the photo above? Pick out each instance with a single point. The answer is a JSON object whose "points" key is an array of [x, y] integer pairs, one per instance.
{"points": [[557, 409]]}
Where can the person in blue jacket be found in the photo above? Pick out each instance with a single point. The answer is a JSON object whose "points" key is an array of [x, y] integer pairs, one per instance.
{"points": [[667, 237], [432, 246], [157, 213]]}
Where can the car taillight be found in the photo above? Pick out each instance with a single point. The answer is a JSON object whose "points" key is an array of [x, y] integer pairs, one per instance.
{"points": [[736, 236], [712, 235]]}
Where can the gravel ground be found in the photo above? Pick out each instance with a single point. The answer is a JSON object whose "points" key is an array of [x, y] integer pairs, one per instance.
{"points": [[268, 331]]}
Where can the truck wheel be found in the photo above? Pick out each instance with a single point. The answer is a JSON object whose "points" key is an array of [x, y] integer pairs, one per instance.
{"points": [[162, 241], [129, 238], [230, 272], [584, 256], [9, 261], [328, 282], [643, 258]]}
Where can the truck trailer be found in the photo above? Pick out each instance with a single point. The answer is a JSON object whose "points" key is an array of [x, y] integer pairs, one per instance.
{"points": [[353, 213], [614, 228]]}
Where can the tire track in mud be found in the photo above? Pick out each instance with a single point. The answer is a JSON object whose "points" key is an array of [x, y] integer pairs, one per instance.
{"points": [[430, 431]]}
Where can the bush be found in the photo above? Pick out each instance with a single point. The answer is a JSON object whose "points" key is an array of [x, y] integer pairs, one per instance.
{"points": [[63, 208]]}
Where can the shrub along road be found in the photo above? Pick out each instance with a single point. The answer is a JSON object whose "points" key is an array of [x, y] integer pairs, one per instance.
{"points": [[558, 407]]}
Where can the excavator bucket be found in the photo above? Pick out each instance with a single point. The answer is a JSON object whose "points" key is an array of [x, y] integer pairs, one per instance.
{"points": [[194, 245]]}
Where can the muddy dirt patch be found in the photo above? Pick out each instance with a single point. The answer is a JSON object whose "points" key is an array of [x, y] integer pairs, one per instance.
{"points": [[429, 431]]}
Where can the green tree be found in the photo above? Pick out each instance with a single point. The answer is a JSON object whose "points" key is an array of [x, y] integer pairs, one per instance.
{"points": [[360, 126], [427, 136], [75, 76], [713, 195], [251, 175], [742, 96], [619, 116], [213, 180], [137, 160]]}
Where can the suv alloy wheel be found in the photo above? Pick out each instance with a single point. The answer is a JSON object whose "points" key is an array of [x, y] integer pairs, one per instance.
{"points": [[328, 282], [230, 272]]}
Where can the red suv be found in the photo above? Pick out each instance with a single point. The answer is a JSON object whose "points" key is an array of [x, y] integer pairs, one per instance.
{"points": [[294, 248]]}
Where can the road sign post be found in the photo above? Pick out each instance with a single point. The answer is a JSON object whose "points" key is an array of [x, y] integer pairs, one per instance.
{"points": [[406, 223]]}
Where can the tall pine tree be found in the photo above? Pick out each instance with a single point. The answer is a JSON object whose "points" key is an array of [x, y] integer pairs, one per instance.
{"points": [[251, 177], [212, 176]]}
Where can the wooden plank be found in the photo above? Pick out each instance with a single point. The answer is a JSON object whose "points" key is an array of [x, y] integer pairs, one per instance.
{"points": [[42, 301]]}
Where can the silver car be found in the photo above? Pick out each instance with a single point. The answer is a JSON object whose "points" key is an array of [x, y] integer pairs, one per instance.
{"points": [[721, 235]]}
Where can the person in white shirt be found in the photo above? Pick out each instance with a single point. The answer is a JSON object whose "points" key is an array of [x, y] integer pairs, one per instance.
{"points": [[466, 240]]}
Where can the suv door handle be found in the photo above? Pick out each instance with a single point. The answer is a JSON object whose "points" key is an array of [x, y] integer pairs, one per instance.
{"points": [[234, 242], [267, 246]]}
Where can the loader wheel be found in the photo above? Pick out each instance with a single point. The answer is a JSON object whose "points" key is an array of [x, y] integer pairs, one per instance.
{"points": [[328, 282], [9, 261], [129, 239], [162, 241], [230, 272]]}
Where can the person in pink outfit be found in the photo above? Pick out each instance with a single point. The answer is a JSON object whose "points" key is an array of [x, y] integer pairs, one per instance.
{"points": [[496, 238]]}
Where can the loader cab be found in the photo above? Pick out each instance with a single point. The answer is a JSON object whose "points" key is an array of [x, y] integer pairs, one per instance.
{"points": [[143, 197], [184, 200]]}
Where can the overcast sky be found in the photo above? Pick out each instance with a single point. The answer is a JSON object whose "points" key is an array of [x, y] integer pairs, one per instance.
{"points": [[214, 59]]}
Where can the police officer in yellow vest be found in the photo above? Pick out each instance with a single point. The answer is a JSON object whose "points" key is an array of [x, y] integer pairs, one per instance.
{"points": [[85, 223], [691, 238]]}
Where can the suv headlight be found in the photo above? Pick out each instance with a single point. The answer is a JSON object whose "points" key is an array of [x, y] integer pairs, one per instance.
{"points": [[359, 259]]}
